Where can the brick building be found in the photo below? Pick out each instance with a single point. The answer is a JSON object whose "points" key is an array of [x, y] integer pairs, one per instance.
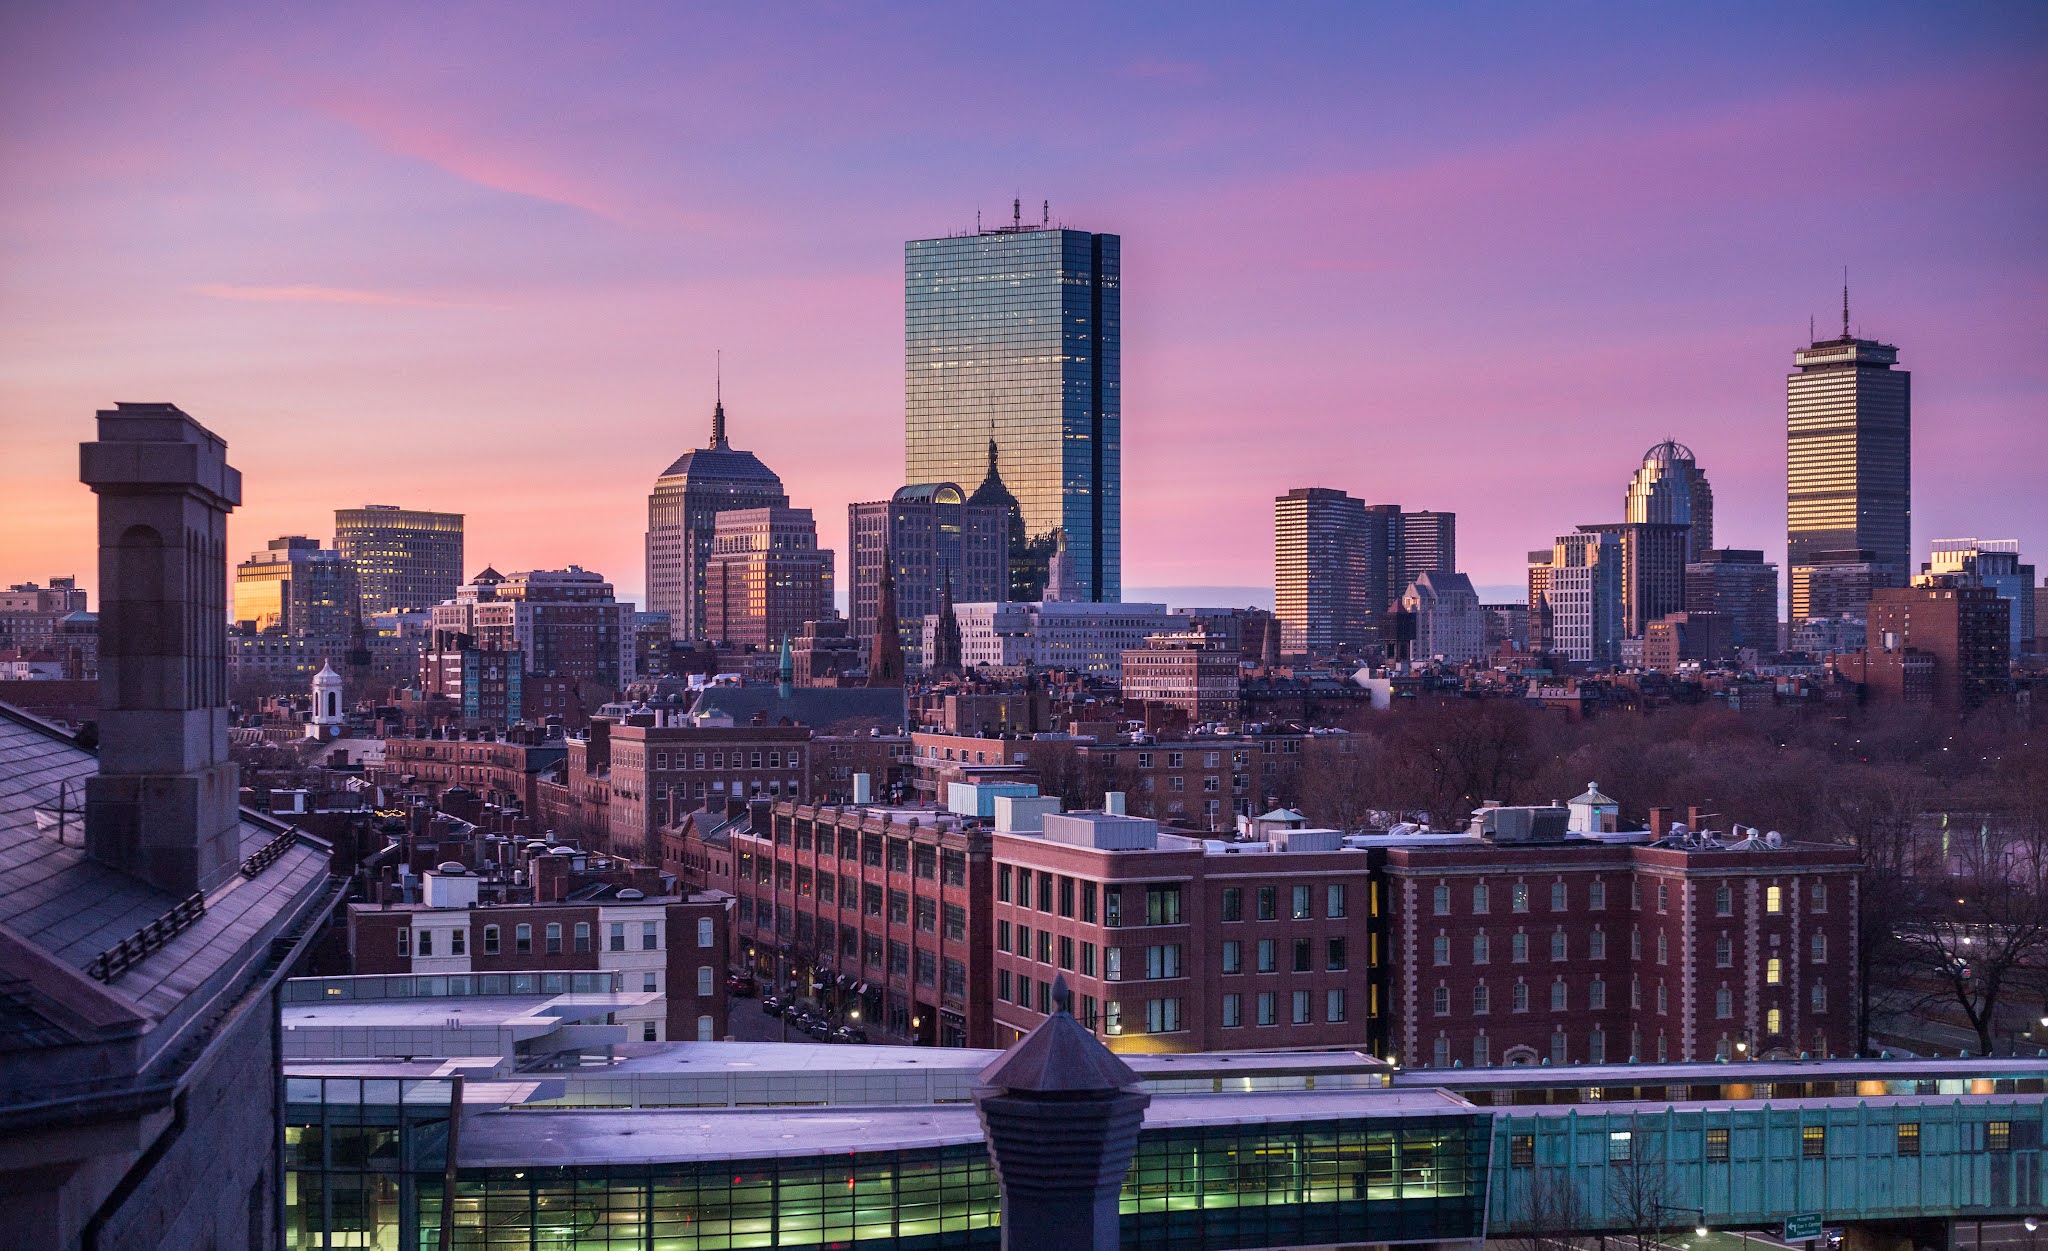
{"points": [[1193, 672], [503, 771], [659, 770], [1183, 944], [883, 913], [1544, 937], [673, 946], [1941, 641]]}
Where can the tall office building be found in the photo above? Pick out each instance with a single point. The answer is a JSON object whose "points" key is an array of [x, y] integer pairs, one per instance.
{"points": [[1581, 588], [1327, 592], [766, 577], [1653, 557], [1013, 335], [931, 532], [687, 497], [296, 587], [1994, 563], [1740, 585], [406, 559], [1848, 460], [1670, 489], [1429, 544]]}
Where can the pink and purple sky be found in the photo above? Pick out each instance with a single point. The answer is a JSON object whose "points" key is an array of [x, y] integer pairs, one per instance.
{"points": [[479, 257]]}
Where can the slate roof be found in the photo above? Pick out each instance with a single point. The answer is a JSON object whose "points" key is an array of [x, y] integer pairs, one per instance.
{"points": [[820, 707], [66, 907]]}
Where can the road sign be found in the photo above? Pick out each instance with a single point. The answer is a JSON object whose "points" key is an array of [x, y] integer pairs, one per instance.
{"points": [[1803, 1226]]}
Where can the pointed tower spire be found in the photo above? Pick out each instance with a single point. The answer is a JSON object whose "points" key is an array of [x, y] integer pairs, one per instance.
{"points": [[885, 653], [1845, 301], [785, 671], [718, 406]]}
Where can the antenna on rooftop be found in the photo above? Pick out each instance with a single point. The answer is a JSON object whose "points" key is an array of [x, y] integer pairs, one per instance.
{"points": [[1017, 220], [1047, 219], [1845, 301]]}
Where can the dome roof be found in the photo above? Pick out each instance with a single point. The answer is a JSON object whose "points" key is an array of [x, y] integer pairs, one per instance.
{"points": [[1667, 451]]}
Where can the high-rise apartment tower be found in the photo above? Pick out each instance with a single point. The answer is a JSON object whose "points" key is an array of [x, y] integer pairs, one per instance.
{"points": [[1014, 334]]}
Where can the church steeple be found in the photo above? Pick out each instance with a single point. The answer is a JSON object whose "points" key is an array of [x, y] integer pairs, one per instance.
{"points": [[885, 654], [947, 658]]}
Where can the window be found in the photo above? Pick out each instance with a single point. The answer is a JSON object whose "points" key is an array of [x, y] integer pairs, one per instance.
{"points": [[1233, 903], [1269, 908], [1045, 892], [1087, 902], [1334, 955], [1003, 984], [1621, 1146], [1333, 901], [583, 936], [1774, 899], [1818, 949], [1300, 911], [1003, 883], [1596, 895], [1443, 900], [1521, 1150], [458, 942], [956, 924], [1560, 996], [1518, 947], [1596, 994], [1663, 947], [1774, 971], [405, 942], [618, 936], [1443, 949], [1560, 946], [1233, 1011], [1724, 1003], [1482, 949], [426, 943], [1998, 1136], [1441, 1001], [1819, 997], [1909, 1138], [1818, 896], [1813, 1142], [1233, 957], [1300, 1007], [1482, 1001], [1162, 905], [1717, 1146], [1162, 1016], [1635, 894], [1635, 944], [1774, 1022], [1112, 964], [1333, 1005], [1596, 944], [1557, 896], [650, 935], [1481, 900], [1066, 896], [1518, 997], [1303, 955], [1724, 952], [1162, 961], [490, 940], [1440, 1053], [554, 938], [1482, 1051], [1596, 1047], [1519, 897], [1268, 961], [522, 939], [1724, 900], [1268, 1009], [1088, 959], [1112, 906], [1663, 999]]}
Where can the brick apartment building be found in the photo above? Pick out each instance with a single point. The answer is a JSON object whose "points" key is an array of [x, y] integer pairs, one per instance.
{"points": [[674, 947], [884, 911], [1941, 641], [1530, 941], [1193, 672], [1173, 943], [657, 770], [503, 771]]}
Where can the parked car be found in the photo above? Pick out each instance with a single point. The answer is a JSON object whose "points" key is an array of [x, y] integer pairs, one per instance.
{"points": [[819, 1029], [741, 987], [849, 1034], [773, 1005]]}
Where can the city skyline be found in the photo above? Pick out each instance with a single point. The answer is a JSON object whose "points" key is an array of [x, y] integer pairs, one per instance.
{"points": [[469, 307]]}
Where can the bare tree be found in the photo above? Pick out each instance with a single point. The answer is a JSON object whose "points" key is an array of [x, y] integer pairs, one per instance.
{"points": [[1876, 810], [1985, 939], [1553, 1214], [1639, 1191]]}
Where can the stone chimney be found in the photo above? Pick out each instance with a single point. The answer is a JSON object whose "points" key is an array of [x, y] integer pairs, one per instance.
{"points": [[1061, 1114], [164, 806]]}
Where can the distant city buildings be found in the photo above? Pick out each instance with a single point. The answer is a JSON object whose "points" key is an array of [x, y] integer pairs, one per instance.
{"points": [[1195, 672], [687, 497], [1742, 586], [296, 587], [1429, 544], [1575, 596], [1994, 563], [1448, 620], [1942, 641], [765, 577], [1013, 339], [405, 559], [563, 622], [1669, 489], [1848, 466], [1083, 638], [934, 535]]}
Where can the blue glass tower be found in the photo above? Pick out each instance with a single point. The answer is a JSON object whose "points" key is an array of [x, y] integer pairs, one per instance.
{"points": [[1012, 335]]}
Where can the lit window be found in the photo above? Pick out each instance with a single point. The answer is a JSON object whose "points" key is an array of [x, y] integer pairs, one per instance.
{"points": [[1774, 899]]}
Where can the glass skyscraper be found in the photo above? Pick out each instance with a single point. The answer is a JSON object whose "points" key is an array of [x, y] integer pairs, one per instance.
{"points": [[1013, 335]]}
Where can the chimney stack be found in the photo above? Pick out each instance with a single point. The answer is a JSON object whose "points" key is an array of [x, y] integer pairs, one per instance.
{"points": [[164, 806], [1660, 822]]}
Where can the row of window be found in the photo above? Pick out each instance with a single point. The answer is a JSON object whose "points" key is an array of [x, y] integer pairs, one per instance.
{"points": [[1596, 897], [740, 760], [1596, 1000], [947, 865], [1165, 1016], [1336, 957], [1300, 902], [1813, 1143], [1596, 949], [421, 941]]}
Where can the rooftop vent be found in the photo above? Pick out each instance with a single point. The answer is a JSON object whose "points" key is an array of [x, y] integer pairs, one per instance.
{"points": [[453, 868], [632, 892]]}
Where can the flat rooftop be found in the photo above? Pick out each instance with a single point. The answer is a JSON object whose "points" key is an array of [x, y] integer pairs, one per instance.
{"points": [[478, 1012]]}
